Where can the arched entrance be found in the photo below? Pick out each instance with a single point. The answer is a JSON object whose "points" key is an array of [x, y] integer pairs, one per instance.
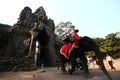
{"points": [[43, 39]]}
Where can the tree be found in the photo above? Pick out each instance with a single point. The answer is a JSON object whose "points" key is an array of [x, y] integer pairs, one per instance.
{"points": [[117, 35], [62, 27], [111, 43]]}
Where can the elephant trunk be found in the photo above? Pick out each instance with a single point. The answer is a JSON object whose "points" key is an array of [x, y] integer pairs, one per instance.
{"points": [[100, 60]]}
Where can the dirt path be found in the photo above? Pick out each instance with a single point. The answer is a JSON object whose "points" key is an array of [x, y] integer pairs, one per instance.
{"points": [[54, 74], [78, 75]]}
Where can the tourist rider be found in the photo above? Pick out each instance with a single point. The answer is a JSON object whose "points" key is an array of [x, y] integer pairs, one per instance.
{"points": [[69, 43], [76, 36]]}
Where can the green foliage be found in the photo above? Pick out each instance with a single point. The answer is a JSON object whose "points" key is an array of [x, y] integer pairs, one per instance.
{"points": [[117, 35], [62, 27], [109, 44]]}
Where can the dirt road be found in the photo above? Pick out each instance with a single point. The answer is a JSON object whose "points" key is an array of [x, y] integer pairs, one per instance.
{"points": [[54, 74]]}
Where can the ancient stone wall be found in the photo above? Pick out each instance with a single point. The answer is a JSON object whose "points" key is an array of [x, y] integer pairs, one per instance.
{"points": [[17, 48]]}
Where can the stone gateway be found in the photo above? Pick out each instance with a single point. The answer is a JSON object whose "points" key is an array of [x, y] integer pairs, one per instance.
{"points": [[18, 42]]}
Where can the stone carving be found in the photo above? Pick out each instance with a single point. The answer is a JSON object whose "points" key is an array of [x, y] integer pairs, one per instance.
{"points": [[41, 15], [17, 50]]}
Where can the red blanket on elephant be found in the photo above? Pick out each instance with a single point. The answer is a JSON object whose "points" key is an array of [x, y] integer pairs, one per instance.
{"points": [[67, 48]]}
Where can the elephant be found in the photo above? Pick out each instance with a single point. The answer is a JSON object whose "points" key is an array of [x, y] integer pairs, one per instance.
{"points": [[85, 44]]}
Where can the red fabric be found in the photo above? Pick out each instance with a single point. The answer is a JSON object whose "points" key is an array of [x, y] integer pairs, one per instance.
{"points": [[76, 37], [67, 48]]}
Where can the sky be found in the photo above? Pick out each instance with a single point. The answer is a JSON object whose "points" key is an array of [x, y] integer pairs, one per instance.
{"points": [[93, 18]]}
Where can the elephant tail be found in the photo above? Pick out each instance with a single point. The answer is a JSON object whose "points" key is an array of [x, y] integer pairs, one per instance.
{"points": [[100, 60]]}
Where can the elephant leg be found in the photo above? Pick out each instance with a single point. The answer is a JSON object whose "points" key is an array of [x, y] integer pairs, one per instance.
{"points": [[73, 56], [72, 61], [63, 60], [63, 67], [84, 64], [101, 63]]}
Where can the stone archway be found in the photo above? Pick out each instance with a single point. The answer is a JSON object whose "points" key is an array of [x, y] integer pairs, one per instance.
{"points": [[20, 47], [43, 40]]}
